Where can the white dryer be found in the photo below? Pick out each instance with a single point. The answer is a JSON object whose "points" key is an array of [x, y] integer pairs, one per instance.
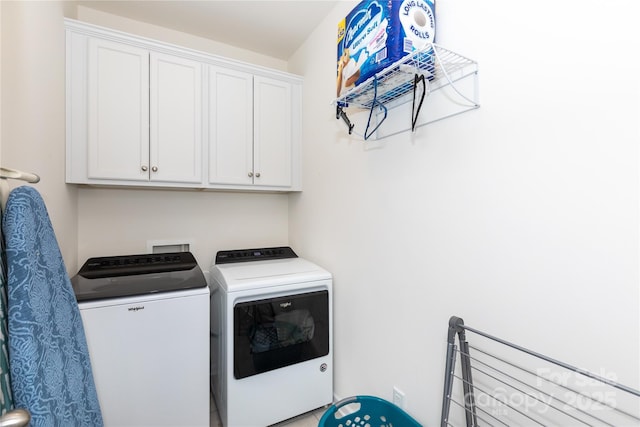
{"points": [[271, 336]]}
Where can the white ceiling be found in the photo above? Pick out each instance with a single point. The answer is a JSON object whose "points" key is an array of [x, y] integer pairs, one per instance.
{"points": [[273, 28]]}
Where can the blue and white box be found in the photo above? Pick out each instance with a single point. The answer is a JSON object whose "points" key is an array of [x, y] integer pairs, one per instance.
{"points": [[377, 33]]}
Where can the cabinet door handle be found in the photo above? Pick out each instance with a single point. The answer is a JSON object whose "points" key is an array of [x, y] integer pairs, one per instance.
{"points": [[144, 168], [154, 169], [250, 174], [258, 175]]}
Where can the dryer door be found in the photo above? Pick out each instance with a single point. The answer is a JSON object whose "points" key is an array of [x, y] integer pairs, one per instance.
{"points": [[278, 332]]}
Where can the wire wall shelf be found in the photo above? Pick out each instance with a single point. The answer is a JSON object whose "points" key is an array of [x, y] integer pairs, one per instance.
{"points": [[411, 79]]}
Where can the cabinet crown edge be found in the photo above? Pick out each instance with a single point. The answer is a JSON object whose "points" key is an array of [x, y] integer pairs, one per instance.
{"points": [[89, 29]]}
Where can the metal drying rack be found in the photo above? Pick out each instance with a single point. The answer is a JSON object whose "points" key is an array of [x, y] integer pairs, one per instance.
{"points": [[500, 383]]}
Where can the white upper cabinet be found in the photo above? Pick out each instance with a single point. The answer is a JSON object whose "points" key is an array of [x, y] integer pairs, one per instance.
{"points": [[176, 119], [251, 131], [118, 111], [230, 127], [143, 115], [150, 114], [272, 132]]}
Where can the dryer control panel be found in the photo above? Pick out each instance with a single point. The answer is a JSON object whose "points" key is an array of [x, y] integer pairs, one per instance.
{"points": [[261, 254]]}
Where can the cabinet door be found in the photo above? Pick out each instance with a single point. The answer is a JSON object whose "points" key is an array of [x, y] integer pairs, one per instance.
{"points": [[230, 127], [118, 111], [176, 119], [272, 132]]}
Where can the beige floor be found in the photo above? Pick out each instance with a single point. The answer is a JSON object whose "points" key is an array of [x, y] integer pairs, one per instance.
{"points": [[306, 420]]}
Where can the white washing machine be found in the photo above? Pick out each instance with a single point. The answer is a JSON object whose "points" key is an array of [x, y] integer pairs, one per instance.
{"points": [[271, 336], [146, 321]]}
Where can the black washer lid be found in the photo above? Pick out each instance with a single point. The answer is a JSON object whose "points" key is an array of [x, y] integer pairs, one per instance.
{"points": [[129, 265], [129, 275]]}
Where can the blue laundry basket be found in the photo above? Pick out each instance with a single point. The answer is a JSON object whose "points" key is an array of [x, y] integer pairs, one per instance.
{"points": [[372, 411]]}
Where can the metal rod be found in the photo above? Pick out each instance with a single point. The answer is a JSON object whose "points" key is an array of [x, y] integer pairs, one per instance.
{"points": [[456, 328], [432, 121], [479, 417], [467, 385], [17, 174], [399, 100], [494, 379], [556, 383], [340, 114], [537, 399], [448, 383], [486, 393], [555, 362]]}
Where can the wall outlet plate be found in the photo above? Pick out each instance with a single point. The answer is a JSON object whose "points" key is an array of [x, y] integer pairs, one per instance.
{"points": [[167, 246], [398, 398]]}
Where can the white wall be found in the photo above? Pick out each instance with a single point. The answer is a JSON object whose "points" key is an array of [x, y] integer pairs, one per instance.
{"points": [[120, 222], [33, 112], [520, 217], [155, 32]]}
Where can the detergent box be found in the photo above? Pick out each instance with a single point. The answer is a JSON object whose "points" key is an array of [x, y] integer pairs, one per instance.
{"points": [[377, 33]]}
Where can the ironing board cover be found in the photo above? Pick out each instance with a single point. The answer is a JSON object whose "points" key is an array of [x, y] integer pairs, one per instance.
{"points": [[48, 354], [6, 400]]}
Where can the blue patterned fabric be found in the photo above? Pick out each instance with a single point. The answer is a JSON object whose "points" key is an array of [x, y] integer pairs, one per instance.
{"points": [[6, 399], [49, 359]]}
